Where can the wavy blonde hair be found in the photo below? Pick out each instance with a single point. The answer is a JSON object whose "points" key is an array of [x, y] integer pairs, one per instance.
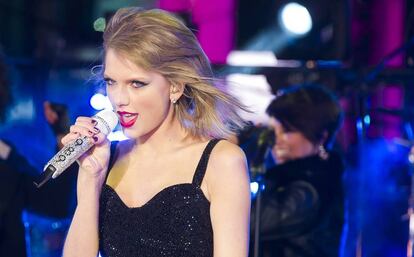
{"points": [[156, 40]]}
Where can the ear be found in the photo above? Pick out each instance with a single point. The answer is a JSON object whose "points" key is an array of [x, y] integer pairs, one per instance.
{"points": [[176, 90], [324, 137]]}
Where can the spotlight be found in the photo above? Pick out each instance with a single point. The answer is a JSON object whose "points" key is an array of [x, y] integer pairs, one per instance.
{"points": [[254, 187], [99, 102], [367, 120], [295, 19], [295, 29]]}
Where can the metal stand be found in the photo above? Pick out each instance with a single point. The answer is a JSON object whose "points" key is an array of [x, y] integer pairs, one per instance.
{"points": [[410, 212], [258, 169], [364, 83], [258, 174]]}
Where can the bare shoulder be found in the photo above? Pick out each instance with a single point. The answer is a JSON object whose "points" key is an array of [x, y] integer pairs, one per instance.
{"points": [[225, 153], [227, 163]]}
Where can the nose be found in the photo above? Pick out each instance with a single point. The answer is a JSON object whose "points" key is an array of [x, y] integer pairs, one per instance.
{"points": [[277, 135], [119, 96]]}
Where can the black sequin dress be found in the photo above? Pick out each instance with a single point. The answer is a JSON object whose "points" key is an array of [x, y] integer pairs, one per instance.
{"points": [[175, 222]]}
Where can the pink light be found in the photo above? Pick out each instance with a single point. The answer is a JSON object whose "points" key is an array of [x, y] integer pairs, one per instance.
{"points": [[174, 5], [215, 20]]}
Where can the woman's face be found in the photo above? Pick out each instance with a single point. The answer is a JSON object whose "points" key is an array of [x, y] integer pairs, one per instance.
{"points": [[290, 145], [141, 98]]}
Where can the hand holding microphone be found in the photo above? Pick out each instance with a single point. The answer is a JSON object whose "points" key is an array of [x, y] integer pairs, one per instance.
{"points": [[84, 134]]}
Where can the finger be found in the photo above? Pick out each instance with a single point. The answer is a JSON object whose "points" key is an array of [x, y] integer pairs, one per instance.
{"points": [[99, 138], [87, 123], [69, 138], [86, 120], [82, 130]]}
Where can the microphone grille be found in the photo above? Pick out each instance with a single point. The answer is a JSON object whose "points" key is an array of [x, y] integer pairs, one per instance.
{"points": [[107, 121]]}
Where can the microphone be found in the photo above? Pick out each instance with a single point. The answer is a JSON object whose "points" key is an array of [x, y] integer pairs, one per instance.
{"points": [[106, 122], [265, 140]]}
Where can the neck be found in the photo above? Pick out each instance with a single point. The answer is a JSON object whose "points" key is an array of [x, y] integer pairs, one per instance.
{"points": [[168, 136]]}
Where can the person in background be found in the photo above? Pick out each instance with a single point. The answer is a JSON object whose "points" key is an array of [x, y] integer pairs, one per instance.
{"points": [[17, 190], [176, 187], [302, 204]]}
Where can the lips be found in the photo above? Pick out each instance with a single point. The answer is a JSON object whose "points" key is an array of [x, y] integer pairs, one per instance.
{"points": [[280, 151], [127, 119]]}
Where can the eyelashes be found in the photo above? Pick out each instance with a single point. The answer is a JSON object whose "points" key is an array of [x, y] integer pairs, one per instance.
{"points": [[108, 82], [133, 83], [138, 84]]}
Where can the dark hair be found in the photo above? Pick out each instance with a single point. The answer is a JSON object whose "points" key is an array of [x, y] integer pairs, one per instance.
{"points": [[5, 94], [309, 109]]}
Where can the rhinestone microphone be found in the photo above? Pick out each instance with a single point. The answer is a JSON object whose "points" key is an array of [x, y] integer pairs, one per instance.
{"points": [[106, 122]]}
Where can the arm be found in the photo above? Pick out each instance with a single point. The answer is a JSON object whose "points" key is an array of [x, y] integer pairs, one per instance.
{"points": [[82, 239], [228, 185]]}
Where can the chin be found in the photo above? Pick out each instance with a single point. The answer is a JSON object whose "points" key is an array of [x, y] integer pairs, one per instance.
{"points": [[280, 161], [135, 133], [129, 133]]}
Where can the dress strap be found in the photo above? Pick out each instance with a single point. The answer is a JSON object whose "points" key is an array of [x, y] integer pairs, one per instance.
{"points": [[112, 157], [202, 164]]}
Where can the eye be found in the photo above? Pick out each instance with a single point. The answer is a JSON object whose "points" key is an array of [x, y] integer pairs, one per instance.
{"points": [[109, 82], [138, 84]]}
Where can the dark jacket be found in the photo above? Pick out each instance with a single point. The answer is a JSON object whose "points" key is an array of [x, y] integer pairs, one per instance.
{"points": [[17, 192], [302, 208]]}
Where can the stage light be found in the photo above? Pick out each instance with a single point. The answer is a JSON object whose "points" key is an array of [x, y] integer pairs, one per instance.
{"points": [[367, 120], [252, 58], [254, 187], [295, 29], [99, 102], [117, 136], [295, 19], [359, 125]]}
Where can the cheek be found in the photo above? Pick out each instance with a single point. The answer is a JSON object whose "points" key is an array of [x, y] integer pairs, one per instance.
{"points": [[151, 108], [299, 146]]}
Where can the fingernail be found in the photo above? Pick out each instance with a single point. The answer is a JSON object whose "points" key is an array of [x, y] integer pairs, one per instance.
{"points": [[96, 130], [95, 139], [94, 122]]}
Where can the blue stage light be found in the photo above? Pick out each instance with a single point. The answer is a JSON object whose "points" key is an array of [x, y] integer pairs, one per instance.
{"points": [[367, 120]]}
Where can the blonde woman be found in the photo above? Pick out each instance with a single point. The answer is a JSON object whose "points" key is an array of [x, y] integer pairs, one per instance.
{"points": [[174, 188]]}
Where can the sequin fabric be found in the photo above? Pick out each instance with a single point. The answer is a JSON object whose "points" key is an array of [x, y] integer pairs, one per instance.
{"points": [[175, 222]]}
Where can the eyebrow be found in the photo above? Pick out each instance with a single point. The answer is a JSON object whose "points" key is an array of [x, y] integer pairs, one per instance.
{"points": [[106, 76], [145, 81]]}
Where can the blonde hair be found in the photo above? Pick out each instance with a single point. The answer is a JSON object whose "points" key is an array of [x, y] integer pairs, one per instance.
{"points": [[156, 40]]}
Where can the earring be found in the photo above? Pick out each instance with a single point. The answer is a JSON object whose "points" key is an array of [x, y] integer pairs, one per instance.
{"points": [[173, 100], [323, 154]]}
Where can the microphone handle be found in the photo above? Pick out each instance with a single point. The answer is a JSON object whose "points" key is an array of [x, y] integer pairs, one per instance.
{"points": [[64, 158]]}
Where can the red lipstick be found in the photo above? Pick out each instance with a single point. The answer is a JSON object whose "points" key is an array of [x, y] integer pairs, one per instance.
{"points": [[127, 119]]}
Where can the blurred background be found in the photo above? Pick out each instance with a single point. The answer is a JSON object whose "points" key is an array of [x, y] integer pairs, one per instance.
{"points": [[362, 49]]}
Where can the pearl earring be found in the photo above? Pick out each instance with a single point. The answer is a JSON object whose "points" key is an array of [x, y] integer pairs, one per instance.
{"points": [[323, 154]]}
